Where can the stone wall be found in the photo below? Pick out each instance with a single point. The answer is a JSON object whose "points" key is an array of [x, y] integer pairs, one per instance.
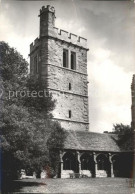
{"points": [[59, 78], [70, 125], [33, 53], [78, 106], [55, 48], [86, 172], [101, 173], [66, 173]]}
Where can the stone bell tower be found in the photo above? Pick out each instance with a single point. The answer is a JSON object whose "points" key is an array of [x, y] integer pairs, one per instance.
{"points": [[133, 102], [60, 58]]}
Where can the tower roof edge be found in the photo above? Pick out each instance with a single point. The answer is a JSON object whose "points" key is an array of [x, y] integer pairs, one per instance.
{"points": [[47, 8]]}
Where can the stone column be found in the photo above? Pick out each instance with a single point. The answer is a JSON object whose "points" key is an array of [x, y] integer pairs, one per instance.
{"points": [[110, 160], [95, 160], [61, 166], [79, 168], [61, 161], [112, 174], [78, 158], [96, 168]]}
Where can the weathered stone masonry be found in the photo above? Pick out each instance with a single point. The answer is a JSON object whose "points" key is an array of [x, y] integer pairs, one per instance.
{"points": [[48, 49]]}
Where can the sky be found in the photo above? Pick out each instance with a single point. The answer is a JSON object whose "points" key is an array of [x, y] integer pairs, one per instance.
{"points": [[110, 31]]}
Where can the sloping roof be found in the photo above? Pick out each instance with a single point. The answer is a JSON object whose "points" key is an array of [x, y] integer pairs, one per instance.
{"points": [[81, 140]]}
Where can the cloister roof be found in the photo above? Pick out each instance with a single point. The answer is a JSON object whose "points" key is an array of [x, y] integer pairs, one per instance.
{"points": [[81, 140]]}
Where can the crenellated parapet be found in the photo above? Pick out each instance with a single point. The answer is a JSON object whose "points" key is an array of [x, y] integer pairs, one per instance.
{"points": [[70, 37], [63, 36], [48, 29], [47, 8], [133, 82], [34, 45]]}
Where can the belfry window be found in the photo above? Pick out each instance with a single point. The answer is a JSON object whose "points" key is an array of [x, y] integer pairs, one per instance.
{"points": [[36, 64], [73, 60], [65, 58]]}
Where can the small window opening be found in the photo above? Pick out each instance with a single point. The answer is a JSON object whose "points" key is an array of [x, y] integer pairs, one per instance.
{"points": [[69, 113], [73, 60], [69, 86], [65, 58]]}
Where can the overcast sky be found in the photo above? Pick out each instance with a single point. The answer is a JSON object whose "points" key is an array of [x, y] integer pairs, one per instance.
{"points": [[109, 27]]}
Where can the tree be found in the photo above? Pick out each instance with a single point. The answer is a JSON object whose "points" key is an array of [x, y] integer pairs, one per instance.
{"points": [[121, 129], [13, 66], [25, 123], [55, 143], [125, 135], [39, 99], [13, 72], [18, 86], [22, 143]]}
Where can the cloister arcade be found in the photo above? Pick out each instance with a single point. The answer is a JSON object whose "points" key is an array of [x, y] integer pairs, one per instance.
{"points": [[94, 164]]}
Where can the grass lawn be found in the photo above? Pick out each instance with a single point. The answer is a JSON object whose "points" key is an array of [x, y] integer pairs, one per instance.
{"points": [[83, 185]]}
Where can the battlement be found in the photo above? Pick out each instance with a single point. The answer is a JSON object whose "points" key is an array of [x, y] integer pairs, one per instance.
{"points": [[47, 8], [64, 36], [133, 82], [70, 37], [133, 79], [34, 44], [48, 28]]}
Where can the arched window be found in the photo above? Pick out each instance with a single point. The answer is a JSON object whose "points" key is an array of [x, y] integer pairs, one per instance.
{"points": [[86, 161], [69, 161]]}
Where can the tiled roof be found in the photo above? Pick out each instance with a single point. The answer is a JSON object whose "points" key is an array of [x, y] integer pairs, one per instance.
{"points": [[80, 140]]}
